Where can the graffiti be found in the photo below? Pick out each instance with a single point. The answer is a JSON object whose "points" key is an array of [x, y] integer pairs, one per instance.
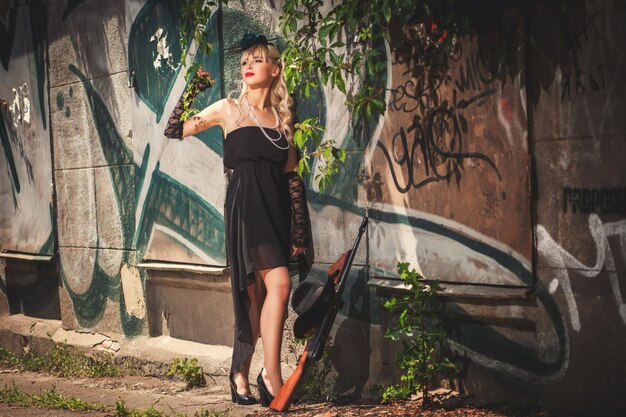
{"points": [[154, 84], [157, 213], [435, 150], [576, 25], [20, 108], [592, 200], [26, 222], [582, 82], [565, 263], [10, 160], [439, 138], [163, 53], [8, 24]]}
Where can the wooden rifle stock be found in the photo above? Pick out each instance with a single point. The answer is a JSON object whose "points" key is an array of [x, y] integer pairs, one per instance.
{"points": [[315, 346]]}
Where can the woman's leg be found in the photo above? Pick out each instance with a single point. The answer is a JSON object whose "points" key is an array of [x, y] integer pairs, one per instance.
{"points": [[273, 314], [256, 293]]}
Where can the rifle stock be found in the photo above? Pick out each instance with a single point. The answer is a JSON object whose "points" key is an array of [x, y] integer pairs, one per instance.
{"points": [[285, 396]]}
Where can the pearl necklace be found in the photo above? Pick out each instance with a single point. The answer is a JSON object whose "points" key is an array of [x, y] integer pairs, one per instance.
{"points": [[272, 140]]}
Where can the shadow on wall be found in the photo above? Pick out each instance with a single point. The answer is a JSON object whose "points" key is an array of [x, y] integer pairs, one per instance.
{"points": [[94, 29], [352, 353]]}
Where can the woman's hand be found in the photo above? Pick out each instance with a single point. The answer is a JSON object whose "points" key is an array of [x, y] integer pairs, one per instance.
{"points": [[203, 79], [295, 250]]}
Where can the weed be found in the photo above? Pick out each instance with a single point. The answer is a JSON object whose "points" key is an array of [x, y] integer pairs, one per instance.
{"points": [[316, 385], [14, 396], [52, 399], [47, 399], [189, 370], [421, 336], [121, 410], [61, 360], [207, 413]]}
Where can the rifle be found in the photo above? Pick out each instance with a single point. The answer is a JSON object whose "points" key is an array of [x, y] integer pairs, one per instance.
{"points": [[315, 346]]}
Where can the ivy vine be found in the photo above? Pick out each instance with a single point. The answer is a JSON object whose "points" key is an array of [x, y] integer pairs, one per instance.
{"points": [[338, 47]]}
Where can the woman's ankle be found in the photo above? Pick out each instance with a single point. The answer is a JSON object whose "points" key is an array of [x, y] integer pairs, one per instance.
{"points": [[242, 383], [273, 382]]}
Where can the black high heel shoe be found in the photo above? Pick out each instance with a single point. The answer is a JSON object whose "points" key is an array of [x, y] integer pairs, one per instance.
{"points": [[241, 399], [264, 393]]}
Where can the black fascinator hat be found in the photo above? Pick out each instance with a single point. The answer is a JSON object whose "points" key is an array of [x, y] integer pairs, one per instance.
{"points": [[251, 39]]}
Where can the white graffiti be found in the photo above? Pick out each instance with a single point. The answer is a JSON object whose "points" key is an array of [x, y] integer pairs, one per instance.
{"points": [[163, 53], [562, 261], [20, 108]]}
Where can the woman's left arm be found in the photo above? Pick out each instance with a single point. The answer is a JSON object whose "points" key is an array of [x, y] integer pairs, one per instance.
{"points": [[299, 206]]}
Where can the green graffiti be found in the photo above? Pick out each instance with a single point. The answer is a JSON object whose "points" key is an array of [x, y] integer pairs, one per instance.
{"points": [[140, 172], [39, 29], [48, 247], [60, 100], [154, 84], [8, 154], [117, 155], [173, 205], [89, 306]]}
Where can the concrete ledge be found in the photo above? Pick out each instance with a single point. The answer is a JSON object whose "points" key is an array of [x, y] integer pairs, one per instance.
{"points": [[459, 290], [26, 256], [22, 325], [215, 359], [172, 266], [20, 334]]}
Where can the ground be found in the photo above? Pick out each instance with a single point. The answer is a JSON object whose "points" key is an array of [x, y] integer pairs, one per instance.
{"points": [[173, 399]]}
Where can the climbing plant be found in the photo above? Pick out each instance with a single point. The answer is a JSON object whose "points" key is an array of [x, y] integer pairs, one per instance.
{"points": [[193, 26], [339, 45]]}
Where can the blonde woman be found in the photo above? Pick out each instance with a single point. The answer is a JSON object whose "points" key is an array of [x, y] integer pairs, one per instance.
{"points": [[263, 193]]}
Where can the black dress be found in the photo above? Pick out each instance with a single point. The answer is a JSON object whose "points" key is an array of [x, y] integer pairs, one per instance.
{"points": [[258, 220]]}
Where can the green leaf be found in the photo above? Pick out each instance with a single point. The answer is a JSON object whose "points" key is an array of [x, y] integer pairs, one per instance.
{"points": [[299, 139], [341, 85], [339, 154]]}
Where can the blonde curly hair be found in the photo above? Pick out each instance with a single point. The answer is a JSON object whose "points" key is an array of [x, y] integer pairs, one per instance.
{"points": [[279, 96]]}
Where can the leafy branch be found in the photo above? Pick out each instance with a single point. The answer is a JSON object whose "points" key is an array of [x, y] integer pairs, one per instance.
{"points": [[342, 48], [194, 17]]}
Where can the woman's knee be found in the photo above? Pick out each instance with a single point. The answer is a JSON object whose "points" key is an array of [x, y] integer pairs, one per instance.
{"points": [[277, 281]]}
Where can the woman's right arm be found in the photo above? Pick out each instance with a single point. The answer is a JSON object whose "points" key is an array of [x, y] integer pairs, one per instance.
{"points": [[209, 117], [212, 115]]}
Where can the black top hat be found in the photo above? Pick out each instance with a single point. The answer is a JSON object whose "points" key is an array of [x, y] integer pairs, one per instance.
{"points": [[311, 300]]}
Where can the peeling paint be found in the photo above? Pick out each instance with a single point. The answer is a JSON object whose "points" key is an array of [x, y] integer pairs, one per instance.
{"points": [[133, 291], [163, 53]]}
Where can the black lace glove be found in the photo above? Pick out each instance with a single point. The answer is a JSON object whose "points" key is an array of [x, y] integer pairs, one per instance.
{"points": [[174, 127], [299, 209]]}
